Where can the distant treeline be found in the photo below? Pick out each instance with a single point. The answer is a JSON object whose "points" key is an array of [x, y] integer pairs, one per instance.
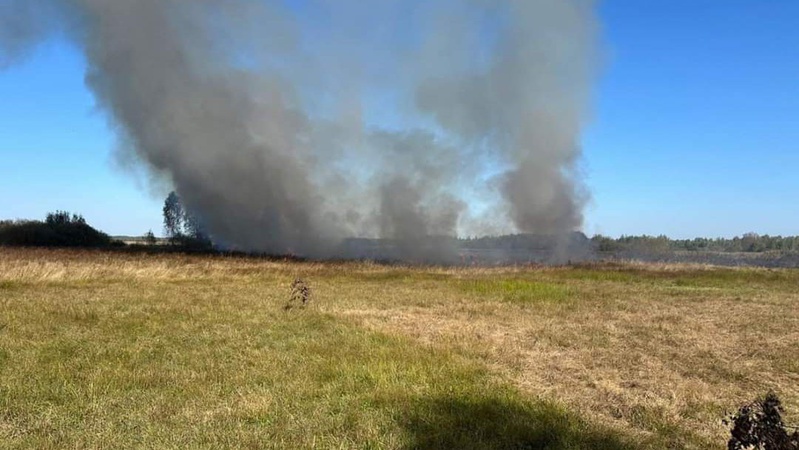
{"points": [[748, 243], [59, 229], [62, 229], [533, 242]]}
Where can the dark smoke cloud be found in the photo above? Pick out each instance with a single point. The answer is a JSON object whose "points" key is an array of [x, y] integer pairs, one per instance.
{"points": [[288, 129]]}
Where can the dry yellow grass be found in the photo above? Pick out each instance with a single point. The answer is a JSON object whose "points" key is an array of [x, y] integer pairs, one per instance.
{"points": [[655, 349], [659, 353]]}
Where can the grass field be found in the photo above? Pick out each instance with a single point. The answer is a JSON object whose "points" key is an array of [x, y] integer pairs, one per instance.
{"points": [[115, 350]]}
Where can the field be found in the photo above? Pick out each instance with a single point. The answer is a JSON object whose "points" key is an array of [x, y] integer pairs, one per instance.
{"points": [[118, 350]]}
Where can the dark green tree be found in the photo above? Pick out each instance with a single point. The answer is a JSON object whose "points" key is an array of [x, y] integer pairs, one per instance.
{"points": [[64, 218]]}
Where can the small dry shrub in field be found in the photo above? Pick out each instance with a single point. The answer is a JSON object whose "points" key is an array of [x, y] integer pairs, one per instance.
{"points": [[759, 426], [300, 294]]}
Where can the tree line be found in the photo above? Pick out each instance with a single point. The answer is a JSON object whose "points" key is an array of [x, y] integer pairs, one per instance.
{"points": [[184, 229], [748, 243], [64, 229], [58, 229]]}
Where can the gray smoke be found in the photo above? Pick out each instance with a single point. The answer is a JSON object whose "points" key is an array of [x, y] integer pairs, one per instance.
{"points": [[289, 126], [23, 24]]}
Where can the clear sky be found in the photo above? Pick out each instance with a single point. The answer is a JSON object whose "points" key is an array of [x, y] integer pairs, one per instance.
{"points": [[695, 128]]}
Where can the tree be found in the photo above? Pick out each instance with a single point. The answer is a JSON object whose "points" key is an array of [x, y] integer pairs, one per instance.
{"points": [[750, 242], [149, 238], [173, 217], [605, 244], [64, 218], [182, 226], [192, 227]]}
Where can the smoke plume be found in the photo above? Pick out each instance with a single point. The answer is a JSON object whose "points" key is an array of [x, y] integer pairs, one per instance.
{"points": [[287, 126]]}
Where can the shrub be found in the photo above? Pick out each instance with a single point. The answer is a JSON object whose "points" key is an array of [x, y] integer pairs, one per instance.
{"points": [[149, 238], [60, 229], [300, 293], [759, 425]]}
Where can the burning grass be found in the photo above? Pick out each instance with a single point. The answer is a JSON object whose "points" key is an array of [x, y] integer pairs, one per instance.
{"points": [[120, 350]]}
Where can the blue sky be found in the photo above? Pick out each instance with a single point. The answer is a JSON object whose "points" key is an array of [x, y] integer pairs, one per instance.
{"points": [[695, 126], [694, 129]]}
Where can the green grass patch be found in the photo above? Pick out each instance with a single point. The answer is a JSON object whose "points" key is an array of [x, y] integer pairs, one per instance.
{"points": [[593, 275], [399, 275], [715, 277], [499, 422], [519, 291], [229, 378]]}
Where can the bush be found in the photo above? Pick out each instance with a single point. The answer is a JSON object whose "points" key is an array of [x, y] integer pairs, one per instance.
{"points": [[60, 229], [759, 425]]}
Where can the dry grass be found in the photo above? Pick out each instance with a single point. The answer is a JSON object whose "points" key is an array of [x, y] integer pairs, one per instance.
{"points": [[657, 354], [649, 349]]}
